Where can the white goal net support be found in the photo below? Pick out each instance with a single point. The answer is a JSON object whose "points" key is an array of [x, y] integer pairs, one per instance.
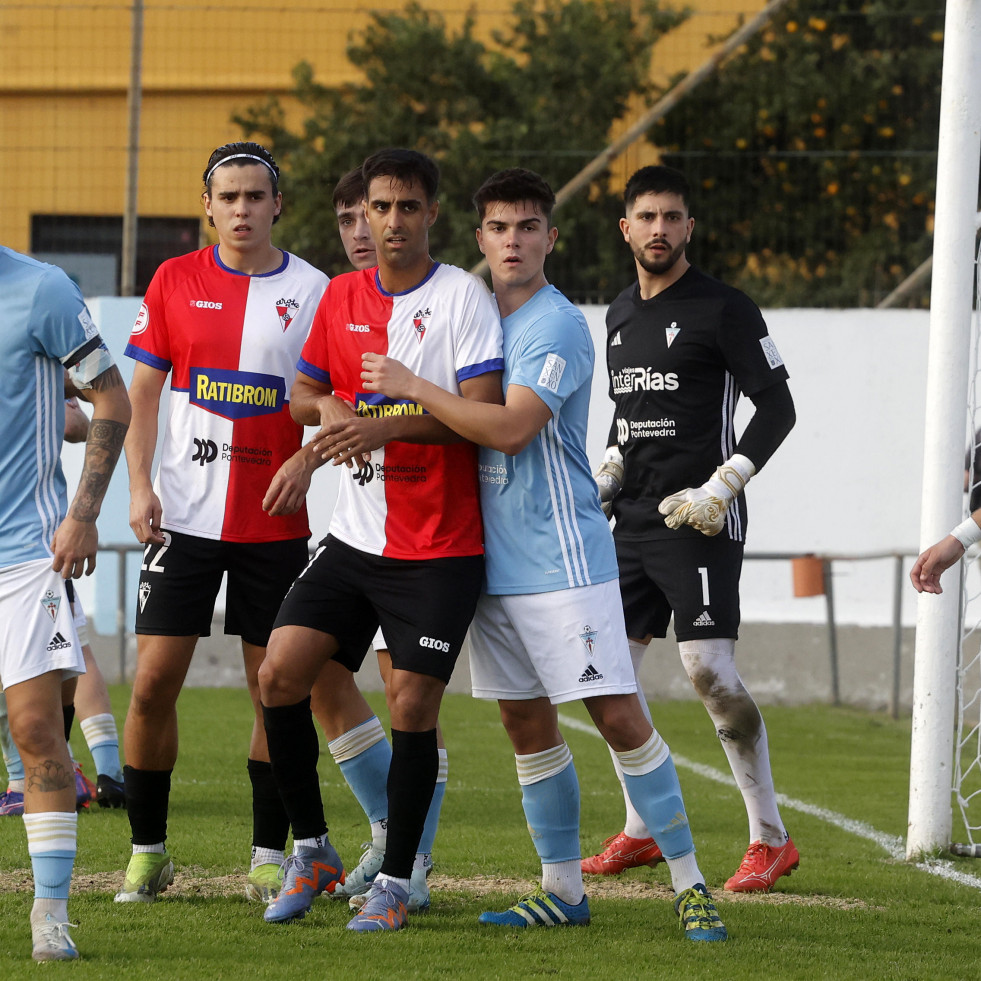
{"points": [[967, 739], [933, 758]]}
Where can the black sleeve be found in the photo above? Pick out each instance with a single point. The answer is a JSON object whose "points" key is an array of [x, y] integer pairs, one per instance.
{"points": [[611, 440], [772, 421]]}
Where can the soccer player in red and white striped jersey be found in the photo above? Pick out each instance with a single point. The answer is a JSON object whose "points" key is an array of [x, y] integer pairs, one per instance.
{"points": [[226, 324]]}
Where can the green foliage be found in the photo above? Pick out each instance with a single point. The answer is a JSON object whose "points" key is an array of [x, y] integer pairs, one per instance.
{"points": [[812, 153], [543, 95]]}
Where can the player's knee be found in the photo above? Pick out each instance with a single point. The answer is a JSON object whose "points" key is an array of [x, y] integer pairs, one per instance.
{"points": [[36, 734]]}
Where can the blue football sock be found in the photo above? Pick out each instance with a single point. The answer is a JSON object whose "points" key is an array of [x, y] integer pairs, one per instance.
{"points": [[550, 798], [432, 815], [364, 756]]}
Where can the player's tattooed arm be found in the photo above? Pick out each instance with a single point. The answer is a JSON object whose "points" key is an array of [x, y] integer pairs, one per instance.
{"points": [[76, 541], [102, 449]]}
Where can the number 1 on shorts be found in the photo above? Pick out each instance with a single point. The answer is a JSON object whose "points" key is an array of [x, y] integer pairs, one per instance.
{"points": [[704, 573]]}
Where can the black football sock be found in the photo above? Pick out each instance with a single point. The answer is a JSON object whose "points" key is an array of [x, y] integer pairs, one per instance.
{"points": [[147, 801], [270, 822], [294, 750], [411, 782]]}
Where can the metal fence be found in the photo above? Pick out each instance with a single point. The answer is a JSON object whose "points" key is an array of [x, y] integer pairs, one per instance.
{"points": [[95, 114], [825, 562]]}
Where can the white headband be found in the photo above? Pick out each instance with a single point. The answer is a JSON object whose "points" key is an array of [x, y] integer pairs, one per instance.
{"points": [[240, 156]]}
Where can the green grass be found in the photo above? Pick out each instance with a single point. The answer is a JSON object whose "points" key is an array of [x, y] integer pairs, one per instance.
{"points": [[856, 912]]}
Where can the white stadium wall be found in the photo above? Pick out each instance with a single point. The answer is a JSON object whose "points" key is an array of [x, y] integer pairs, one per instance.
{"points": [[846, 482]]}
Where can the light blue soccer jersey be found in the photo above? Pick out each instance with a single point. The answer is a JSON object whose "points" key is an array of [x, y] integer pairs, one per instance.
{"points": [[44, 322], [543, 526]]}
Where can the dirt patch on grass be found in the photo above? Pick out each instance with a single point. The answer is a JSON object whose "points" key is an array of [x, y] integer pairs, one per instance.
{"points": [[198, 882]]}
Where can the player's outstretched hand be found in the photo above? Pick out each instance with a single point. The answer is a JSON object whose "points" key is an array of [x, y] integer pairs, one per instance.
{"points": [[926, 571], [386, 375]]}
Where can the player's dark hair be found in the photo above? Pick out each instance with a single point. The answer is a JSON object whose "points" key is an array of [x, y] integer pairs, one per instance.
{"points": [[514, 186], [656, 180], [241, 155], [403, 166], [349, 190]]}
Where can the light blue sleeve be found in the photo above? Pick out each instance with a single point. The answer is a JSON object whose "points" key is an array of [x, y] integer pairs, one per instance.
{"points": [[60, 322], [554, 358]]}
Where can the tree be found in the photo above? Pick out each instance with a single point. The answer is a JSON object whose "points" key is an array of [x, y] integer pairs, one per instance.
{"points": [[542, 95], [812, 153]]}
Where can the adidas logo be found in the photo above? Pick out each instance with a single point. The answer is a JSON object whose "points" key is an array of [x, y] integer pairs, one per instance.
{"points": [[590, 674], [58, 643], [704, 620], [616, 340]]}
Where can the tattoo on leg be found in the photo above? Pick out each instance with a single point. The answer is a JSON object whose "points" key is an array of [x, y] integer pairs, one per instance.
{"points": [[49, 777]]}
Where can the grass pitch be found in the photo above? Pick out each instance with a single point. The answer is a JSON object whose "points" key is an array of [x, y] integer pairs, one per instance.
{"points": [[853, 909]]}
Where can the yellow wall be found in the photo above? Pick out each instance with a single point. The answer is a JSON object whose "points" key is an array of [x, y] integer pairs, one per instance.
{"points": [[64, 74]]}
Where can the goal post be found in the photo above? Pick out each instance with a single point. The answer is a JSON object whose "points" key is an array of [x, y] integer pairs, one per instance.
{"points": [[938, 628]]}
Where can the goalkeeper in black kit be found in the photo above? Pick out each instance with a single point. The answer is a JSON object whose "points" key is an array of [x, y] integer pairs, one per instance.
{"points": [[681, 347]]}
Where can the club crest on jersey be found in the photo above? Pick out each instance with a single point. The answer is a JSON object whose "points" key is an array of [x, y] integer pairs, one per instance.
{"points": [[287, 310], [51, 602], [144, 595], [420, 322], [670, 333], [588, 638]]}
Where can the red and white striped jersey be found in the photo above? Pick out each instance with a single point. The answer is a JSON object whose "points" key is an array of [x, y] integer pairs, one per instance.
{"points": [[231, 342], [412, 501]]}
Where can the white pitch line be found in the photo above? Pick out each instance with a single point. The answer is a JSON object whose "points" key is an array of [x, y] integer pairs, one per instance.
{"points": [[893, 845]]}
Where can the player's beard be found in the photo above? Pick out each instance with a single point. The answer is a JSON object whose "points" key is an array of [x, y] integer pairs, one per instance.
{"points": [[660, 265]]}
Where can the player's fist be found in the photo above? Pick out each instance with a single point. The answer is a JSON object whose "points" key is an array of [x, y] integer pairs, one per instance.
{"points": [[704, 508]]}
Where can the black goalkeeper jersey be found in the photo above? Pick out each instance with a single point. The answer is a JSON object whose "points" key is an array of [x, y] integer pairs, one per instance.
{"points": [[677, 365]]}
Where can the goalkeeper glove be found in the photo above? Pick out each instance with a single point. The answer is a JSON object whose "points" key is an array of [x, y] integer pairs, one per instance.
{"points": [[705, 507], [609, 479]]}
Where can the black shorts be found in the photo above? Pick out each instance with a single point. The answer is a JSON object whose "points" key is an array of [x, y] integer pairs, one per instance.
{"points": [[696, 579], [179, 582], [423, 607]]}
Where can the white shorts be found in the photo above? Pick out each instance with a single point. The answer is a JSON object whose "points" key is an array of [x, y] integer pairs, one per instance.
{"points": [[81, 624], [563, 645], [378, 641], [37, 632]]}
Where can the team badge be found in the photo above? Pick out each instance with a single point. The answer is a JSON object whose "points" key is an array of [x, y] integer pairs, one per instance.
{"points": [[588, 638], [420, 322], [88, 324], [144, 594], [770, 352], [552, 373], [287, 310], [142, 320], [51, 602], [670, 333]]}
